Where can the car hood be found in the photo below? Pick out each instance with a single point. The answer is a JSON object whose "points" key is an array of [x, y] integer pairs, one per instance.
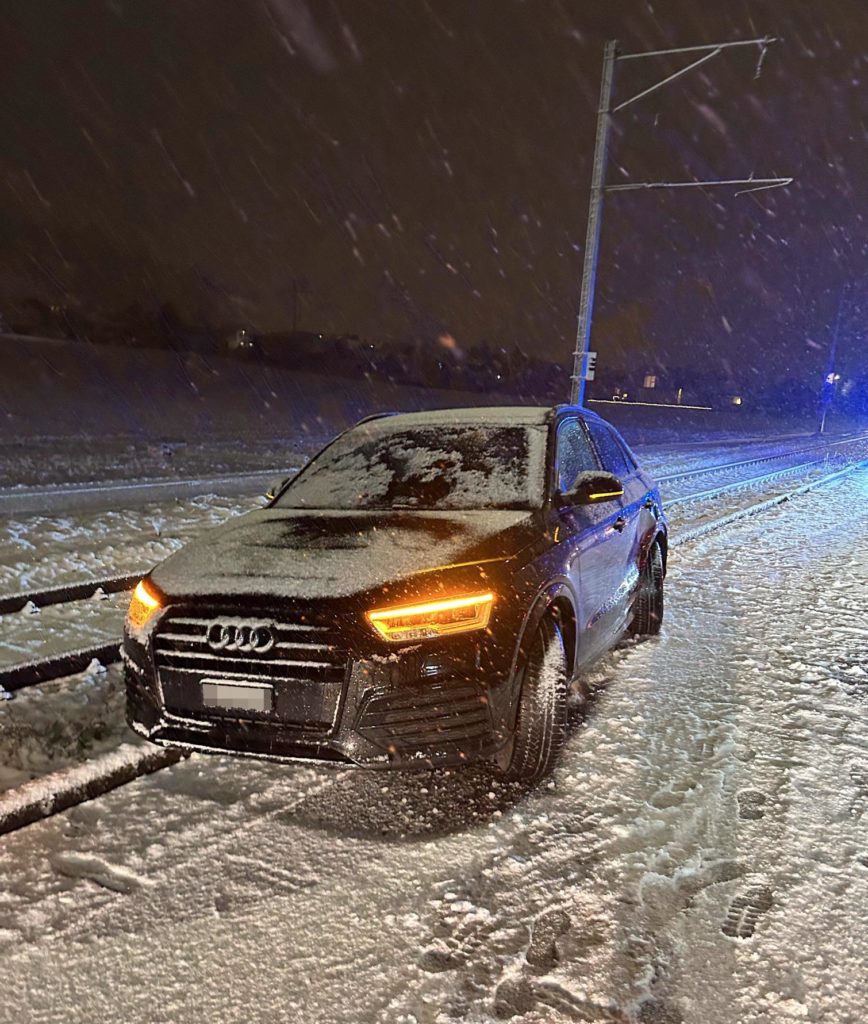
{"points": [[320, 554]]}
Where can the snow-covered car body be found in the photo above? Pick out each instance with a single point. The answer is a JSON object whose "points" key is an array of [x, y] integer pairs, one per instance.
{"points": [[377, 611]]}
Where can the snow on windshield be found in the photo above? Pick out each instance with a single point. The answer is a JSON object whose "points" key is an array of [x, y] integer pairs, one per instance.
{"points": [[438, 466]]}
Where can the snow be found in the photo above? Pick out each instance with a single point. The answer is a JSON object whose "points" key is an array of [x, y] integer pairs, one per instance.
{"points": [[495, 415], [58, 724], [44, 551], [47, 791], [311, 554], [700, 856]]}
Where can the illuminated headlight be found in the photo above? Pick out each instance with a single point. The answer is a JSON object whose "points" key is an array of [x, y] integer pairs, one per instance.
{"points": [[438, 618], [143, 606]]}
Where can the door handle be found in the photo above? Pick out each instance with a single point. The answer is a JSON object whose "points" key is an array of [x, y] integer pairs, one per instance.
{"points": [[619, 524]]}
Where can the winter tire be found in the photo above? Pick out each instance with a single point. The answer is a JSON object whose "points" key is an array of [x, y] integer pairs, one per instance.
{"points": [[541, 724], [648, 606]]}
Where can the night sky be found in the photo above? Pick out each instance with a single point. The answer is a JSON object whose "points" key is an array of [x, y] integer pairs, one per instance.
{"points": [[419, 167]]}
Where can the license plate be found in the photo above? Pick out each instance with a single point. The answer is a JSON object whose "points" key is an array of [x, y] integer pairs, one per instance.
{"points": [[237, 696]]}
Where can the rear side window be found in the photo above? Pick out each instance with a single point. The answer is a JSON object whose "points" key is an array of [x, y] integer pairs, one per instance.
{"points": [[574, 454], [611, 452]]}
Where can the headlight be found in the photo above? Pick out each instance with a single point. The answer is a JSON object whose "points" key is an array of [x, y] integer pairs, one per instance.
{"points": [[143, 605], [439, 618]]}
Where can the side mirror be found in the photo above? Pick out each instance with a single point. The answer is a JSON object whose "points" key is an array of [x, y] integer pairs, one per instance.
{"points": [[593, 487], [275, 487]]}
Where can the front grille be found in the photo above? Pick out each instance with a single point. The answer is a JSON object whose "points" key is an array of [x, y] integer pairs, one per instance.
{"points": [[447, 712], [306, 666]]}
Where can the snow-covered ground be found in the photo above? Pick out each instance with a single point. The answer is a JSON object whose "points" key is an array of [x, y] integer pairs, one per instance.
{"points": [[47, 551], [40, 462], [61, 724], [701, 856]]}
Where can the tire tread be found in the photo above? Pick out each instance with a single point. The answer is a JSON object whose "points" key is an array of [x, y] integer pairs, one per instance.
{"points": [[542, 713]]}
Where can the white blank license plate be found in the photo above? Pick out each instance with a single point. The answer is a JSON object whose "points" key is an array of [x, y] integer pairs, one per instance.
{"points": [[240, 696]]}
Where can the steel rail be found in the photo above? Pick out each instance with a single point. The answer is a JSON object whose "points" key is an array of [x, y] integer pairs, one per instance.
{"points": [[762, 506], [736, 485], [57, 497], [58, 666], [706, 470], [58, 791], [80, 591]]}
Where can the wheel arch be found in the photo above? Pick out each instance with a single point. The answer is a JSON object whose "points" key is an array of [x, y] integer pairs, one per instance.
{"points": [[556, 597], [651, 537], [534, 743], [662, 539]]}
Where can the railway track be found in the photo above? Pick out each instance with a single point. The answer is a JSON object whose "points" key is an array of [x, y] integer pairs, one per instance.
{"points": [[57, 791], [68, 593], [62, 498], [761, 506], [738, 485], [690, 473]]}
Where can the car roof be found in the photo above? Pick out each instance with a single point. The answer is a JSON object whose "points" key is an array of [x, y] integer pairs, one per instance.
{"points": [[507, 415]]}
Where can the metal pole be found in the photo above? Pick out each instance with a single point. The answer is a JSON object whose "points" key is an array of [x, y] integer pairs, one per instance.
{"points": [[827, 390], [595, 217], [294, 305]]}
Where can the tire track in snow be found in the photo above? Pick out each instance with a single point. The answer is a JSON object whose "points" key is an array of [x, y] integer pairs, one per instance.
{"points": [[153, 829]]}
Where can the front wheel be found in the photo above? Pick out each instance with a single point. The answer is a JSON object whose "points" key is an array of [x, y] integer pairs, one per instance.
{"points": [[648, 606], [541, 725]]}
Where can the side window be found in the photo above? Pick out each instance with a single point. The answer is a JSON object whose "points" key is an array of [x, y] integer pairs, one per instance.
{"points": [[574, 454], [632, 464], [611, 454]]}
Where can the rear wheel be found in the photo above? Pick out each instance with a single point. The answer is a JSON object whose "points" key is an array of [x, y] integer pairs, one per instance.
{"points": [[648, 606], [541, 725]]}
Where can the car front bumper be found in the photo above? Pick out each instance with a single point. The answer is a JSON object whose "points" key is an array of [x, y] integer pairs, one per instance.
{"points": [[406, 711]]}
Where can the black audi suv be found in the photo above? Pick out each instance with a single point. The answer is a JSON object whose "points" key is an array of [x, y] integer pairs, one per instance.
{"points": [[425, 592]]}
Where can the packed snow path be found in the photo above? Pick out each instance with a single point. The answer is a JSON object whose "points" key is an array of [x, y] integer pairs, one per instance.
{"points": [[701, 856]]}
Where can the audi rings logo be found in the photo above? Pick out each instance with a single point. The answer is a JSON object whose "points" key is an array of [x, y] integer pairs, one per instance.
{"points": [[240, 636]]}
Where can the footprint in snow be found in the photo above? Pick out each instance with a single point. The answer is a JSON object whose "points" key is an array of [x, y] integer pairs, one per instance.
{"points": [[515, 997], [657, 1012], [745, 910], [542, 954], [751, 804]]}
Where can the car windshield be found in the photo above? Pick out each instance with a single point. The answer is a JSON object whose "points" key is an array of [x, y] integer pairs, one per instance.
{"points": [[438, 467]]}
